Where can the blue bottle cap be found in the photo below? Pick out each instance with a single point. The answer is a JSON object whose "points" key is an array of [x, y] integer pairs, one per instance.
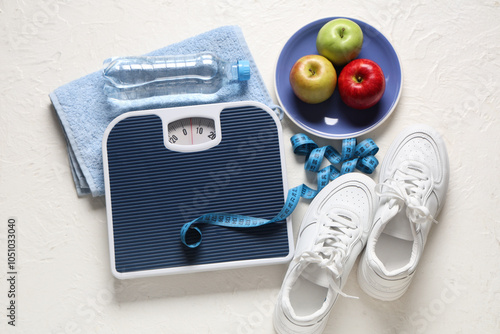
{"points": [[243, 70]]}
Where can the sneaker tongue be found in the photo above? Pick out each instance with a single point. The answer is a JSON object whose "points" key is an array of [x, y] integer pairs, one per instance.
{"points": [[314, 272], [317, 275], [399, 227]]}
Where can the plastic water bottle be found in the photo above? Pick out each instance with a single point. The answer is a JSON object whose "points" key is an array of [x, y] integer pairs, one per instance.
{"points": [[129, 78]]}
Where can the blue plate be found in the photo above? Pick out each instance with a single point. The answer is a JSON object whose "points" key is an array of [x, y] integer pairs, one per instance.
{"points": [[332, 118]]}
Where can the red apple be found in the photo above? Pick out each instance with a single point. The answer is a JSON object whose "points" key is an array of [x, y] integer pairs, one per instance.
{"points": [[361, 84], [313, 79]]}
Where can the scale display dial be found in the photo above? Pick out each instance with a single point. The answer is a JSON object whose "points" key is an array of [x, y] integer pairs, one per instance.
{"points": [[191, 131]]}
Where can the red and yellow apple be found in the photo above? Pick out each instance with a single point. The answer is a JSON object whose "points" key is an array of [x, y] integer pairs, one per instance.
{"points": [[313, 79]]}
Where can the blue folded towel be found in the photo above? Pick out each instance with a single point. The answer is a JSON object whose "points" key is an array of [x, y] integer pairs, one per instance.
{"points": [[85, 111]]}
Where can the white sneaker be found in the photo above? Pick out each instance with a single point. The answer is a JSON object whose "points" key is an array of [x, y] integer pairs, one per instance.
{"points": [[412, 188], [333, 233]]}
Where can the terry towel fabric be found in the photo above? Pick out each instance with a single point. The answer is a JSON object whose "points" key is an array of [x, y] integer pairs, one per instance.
{"points": [[84, 110]]}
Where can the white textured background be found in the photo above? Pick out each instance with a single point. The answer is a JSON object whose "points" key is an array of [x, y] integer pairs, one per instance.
{"points": [[450, 56]]}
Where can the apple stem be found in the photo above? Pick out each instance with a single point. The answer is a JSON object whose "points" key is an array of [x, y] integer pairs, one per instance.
{"points": [[312, 71], [359, 79], [342, 33]]}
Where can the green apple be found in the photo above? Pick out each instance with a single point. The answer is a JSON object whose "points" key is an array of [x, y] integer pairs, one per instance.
{"points": [[340, 40], [313, 79]]}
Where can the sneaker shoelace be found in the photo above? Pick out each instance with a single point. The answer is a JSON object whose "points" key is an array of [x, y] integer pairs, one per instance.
{"points": [[408, 190], [331, 246]]}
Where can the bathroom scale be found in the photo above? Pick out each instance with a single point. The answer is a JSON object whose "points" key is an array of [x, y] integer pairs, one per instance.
{"points": [[166, 167]]}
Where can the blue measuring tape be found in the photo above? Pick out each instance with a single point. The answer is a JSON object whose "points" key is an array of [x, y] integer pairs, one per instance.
{"points": [[354, 156]]}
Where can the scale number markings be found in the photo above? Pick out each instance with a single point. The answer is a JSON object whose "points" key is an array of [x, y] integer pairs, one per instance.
{"points": [[191, 131]]}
